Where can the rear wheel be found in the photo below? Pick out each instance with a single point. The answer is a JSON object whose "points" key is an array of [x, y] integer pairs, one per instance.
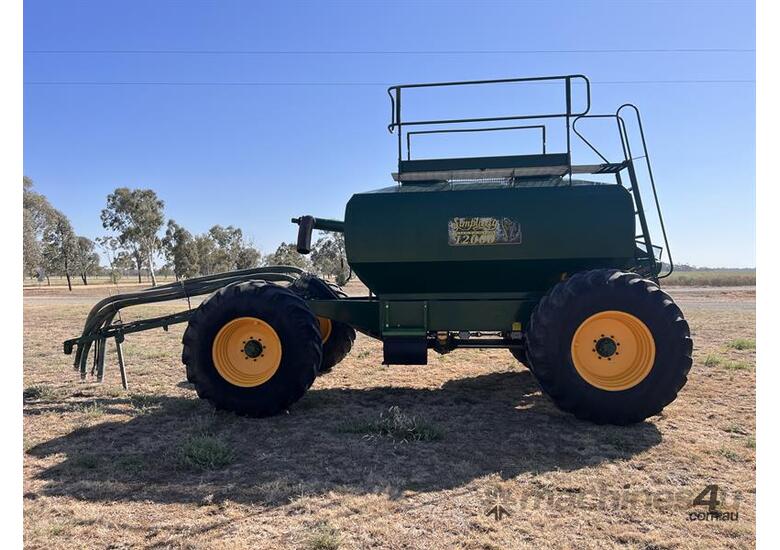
{"points": [[336, 343], [609, 346], [252, 348], [337, 337]]}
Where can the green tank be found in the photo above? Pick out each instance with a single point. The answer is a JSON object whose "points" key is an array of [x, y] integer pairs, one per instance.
{"points": [[486, 237]]}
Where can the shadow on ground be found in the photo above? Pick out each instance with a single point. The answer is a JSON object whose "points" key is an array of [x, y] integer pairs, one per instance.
{"points": [[492, 424]]}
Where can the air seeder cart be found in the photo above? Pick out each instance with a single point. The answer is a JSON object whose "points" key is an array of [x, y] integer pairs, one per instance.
{"points": [[512, 252]]}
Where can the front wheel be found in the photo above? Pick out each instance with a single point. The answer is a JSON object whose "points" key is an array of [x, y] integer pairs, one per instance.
{"points": [[252, 348], [609, 347]]}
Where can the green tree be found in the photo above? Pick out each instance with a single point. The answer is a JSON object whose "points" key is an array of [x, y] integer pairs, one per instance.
{"points": [[287, 254], [59, 246], [329, 257], [248, 257], [181, 251], [86, 261], [206, 250], [37, 215], [112, 249], [31, 247], [123, 264], [166, 270], [232, 250], [137, 216], [224, 249], [228, 243]]}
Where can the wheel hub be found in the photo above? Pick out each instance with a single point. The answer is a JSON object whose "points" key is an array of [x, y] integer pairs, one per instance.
{"points": [[253, 348], [606, 347], [246, 352], [613, 350]]}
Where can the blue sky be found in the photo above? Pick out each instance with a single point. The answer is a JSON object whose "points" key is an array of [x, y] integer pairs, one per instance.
{"points": [[254, 156]]}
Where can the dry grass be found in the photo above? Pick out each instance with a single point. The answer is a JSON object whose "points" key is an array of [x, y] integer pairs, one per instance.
{"points": [[396, 425], [204, 452], [96, 280], [713, 277], [323, 537], [431, 449]]}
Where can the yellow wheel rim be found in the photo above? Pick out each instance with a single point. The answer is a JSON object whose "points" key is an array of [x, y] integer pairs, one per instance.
{"points": [[613, 350], [247, 352], [326, 327]]}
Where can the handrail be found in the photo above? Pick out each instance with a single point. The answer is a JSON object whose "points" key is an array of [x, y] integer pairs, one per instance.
{"points": [[588, 143], [541, 127], [395, 118], [652, 181], [395, 105], [629, 157]]}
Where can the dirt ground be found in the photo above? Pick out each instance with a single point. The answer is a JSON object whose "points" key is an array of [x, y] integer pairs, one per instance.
{"points": [[156, 467]]}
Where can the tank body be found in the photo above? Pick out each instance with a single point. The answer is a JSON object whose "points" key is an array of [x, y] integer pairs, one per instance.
{"points": [[485, 238]]}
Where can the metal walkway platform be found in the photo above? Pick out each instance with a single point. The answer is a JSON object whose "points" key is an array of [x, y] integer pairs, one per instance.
{"points": [[506, 173]]}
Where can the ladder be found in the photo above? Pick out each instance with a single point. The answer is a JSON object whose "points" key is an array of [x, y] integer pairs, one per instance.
{"points": [[650, 264]]}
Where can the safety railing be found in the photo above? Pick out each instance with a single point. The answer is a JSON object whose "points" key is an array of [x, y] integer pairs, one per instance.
{"points": [[567, 114], [628, 160], [541, 127]]}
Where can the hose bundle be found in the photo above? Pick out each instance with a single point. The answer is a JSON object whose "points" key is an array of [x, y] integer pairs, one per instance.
{"points": [[101, 317]]}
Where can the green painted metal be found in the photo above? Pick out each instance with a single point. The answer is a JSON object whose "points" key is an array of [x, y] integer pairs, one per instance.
{"points": [[513, 161], [361, 313], [381, 318], [397, 238], [399, 243], [325, 224]]}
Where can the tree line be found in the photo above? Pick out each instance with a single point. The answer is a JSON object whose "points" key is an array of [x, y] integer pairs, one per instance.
{"points": [[139, 237]]}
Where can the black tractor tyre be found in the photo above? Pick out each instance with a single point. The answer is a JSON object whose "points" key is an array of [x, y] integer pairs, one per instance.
{"points": [[298, 338], [578, 301], [342, 336], [521, 354], [337, 346]]}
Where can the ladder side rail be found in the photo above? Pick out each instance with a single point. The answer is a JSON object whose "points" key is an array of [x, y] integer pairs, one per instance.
{"points": [[652, 184], [635, 191], [568, 123], [638, 239]]}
